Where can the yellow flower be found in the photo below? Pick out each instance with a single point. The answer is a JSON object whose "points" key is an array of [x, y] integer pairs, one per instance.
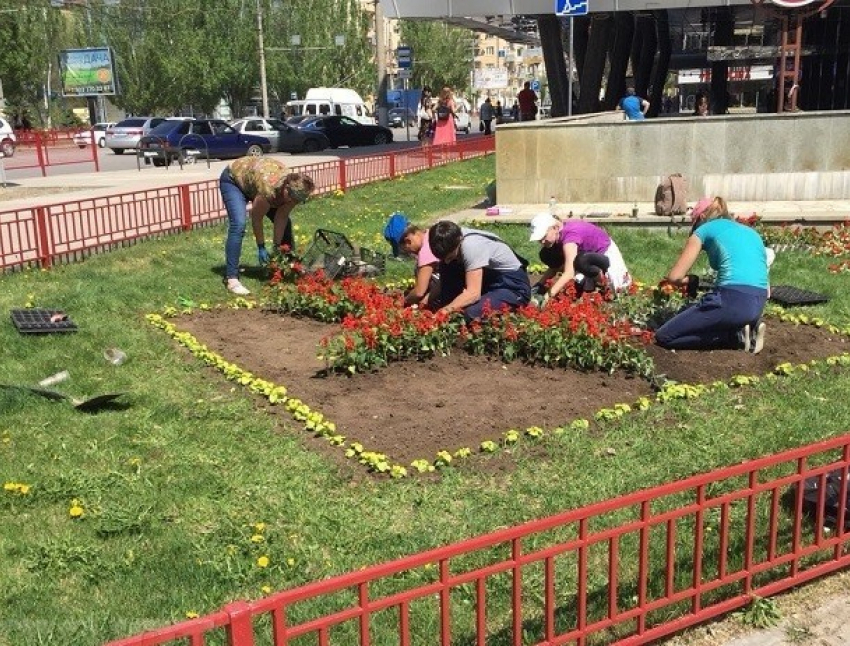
{"points": [[23, 489], [259, 527], [76, 510], [257, 538], [191, 614], [266, 589], [263, 561], [290, 561]]}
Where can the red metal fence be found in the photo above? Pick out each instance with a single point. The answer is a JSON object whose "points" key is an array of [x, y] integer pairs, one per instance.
{"points": [[65, 231], [44, 148], [625, 571]]}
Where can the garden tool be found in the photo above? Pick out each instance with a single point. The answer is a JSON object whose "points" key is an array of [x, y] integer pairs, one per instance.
{"points": [[89, 405]]}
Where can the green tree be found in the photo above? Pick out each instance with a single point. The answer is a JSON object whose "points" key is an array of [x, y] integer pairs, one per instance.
{"points": [[442, 54], [33, 33], [318, 60]]}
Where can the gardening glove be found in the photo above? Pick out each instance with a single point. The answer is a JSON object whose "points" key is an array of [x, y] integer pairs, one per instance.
{"points": [[263, 255]]}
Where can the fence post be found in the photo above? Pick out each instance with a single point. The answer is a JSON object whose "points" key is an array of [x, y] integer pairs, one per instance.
{"points": [[95, 153], [185, 207], [342, 180], [45, 254], [392, 165], [41, 154], [430, 157], [240, 630]]}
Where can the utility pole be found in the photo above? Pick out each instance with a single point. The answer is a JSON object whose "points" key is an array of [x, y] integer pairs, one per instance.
{"points": [[381, 61], [263, 85]]}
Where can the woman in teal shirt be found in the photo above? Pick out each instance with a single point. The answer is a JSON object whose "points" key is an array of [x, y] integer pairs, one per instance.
{"points": [[728, 316]]}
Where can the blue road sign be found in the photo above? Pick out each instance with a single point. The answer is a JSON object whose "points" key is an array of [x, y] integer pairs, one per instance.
{"points": [[535, 85], [404, 57], [571, 7]]}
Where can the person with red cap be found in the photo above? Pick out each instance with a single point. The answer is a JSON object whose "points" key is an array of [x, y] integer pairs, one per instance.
{"points": [[729, 315]]}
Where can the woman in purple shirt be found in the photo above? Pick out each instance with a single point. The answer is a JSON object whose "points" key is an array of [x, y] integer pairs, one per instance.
{"points": [[577, 247]]}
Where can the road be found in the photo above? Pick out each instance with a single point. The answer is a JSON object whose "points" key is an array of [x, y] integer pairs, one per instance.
{"points": [[109, 161]]}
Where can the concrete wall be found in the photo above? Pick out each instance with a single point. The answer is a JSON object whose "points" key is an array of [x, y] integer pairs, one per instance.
{"points": [[601, 158]]}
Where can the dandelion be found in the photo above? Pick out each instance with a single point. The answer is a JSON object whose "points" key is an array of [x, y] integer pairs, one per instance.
{"points": [[266, 589], [259, 527], [257, 538], [290, 561], [263, 561], [76, 510], [191, 614]]}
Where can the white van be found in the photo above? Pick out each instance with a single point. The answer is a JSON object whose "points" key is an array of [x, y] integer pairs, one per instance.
{"points": [[331, 101]]}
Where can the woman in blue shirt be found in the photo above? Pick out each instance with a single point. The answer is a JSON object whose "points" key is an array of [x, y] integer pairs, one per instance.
{"points": [[728, 316]]}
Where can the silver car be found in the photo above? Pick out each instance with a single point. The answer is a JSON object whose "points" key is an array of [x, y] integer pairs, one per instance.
{"points": [[97, 133], [125, 134], [284, 138]]}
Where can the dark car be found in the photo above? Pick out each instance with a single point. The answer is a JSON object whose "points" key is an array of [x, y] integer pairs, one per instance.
{"points": [[345, 131], [283, 138], [190, 139], [298, 119], [396, 118]]}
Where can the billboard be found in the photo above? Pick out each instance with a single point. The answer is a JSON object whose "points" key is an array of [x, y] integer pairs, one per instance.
{"points": [[87, 72], [491, 79]]}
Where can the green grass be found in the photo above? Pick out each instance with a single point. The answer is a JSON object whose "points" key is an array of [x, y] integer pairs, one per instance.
{"points": [[172, 484]]}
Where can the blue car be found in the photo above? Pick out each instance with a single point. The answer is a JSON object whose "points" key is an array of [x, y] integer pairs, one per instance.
{"points": [[186, 140]]}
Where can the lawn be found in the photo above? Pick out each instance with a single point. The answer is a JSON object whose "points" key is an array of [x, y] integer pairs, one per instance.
{"points": [[191, 495]]}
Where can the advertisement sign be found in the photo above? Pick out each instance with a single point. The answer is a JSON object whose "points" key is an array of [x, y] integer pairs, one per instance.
{"points": [[733, 73], [490, 79], [87, 72]]}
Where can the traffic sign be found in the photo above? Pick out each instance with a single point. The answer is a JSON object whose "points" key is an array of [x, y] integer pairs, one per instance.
{"points": [[404, 74], [535, 85], [404, 57], [571, 7]]}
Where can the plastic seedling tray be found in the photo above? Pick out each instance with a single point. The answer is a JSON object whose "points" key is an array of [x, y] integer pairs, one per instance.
{"points": [[788, 295], [42, 321]]}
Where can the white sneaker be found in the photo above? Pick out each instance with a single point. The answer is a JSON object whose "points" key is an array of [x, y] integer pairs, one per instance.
{"points": [[745, 337], [758, 341], [235, 287]]}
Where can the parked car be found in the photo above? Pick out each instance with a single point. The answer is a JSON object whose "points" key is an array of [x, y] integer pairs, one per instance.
{"points": [[84, 137], [345, 131], [298, 119], [283, 138], [8, 138], [396, 117], [189, 139], [125, 135]]}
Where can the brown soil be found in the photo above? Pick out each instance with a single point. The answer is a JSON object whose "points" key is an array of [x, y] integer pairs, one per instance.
{"points": [[412, 410]]}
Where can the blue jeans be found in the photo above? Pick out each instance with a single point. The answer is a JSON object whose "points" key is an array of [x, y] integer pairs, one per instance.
{"points": [[714, 321], [510, 288], [236, 204]]}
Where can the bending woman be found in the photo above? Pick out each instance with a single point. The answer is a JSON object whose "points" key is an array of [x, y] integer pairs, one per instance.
{"points": [[728, 316], [577, 247]]}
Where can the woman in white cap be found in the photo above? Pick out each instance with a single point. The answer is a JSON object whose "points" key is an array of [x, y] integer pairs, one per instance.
{"points": [[577, 248], [728, 316]]}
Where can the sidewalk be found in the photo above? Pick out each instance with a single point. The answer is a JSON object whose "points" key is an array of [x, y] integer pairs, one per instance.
{"points": [[38, 191]]}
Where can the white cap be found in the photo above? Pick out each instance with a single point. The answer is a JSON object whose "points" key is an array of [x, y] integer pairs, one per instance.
{"points": [[540, 225]]}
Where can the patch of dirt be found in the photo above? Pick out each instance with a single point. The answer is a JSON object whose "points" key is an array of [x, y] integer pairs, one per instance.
{"points": [[412, 410]]}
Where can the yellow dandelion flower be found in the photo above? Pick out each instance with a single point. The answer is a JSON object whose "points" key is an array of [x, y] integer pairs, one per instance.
{"points": [[259, 527], [263, 561], [257, 538], [266, 589], [290, 561], [191, 614], [76, 510], [24, 489]]}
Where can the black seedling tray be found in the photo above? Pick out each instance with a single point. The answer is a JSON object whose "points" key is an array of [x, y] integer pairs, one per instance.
{"points": [[37, 321], [787, 295]]}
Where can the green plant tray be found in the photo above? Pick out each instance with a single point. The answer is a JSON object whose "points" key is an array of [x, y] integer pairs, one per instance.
{"points": [[37, 321]]}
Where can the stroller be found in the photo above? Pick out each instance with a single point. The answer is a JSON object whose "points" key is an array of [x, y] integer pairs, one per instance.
{"points": [[333, 253]]}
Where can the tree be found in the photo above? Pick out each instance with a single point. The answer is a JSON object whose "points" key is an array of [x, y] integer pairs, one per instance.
{"points": [[442, 55], [28, 68], [318, 60]]}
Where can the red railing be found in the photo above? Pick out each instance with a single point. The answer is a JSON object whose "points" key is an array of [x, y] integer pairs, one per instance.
{"points": [[44, 148], [696, 549], [64, 231]]}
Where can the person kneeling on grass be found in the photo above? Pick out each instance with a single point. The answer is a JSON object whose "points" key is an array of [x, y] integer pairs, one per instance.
{"points": [[579, 251], [729, 315], [426, 289], [478, 271]]}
